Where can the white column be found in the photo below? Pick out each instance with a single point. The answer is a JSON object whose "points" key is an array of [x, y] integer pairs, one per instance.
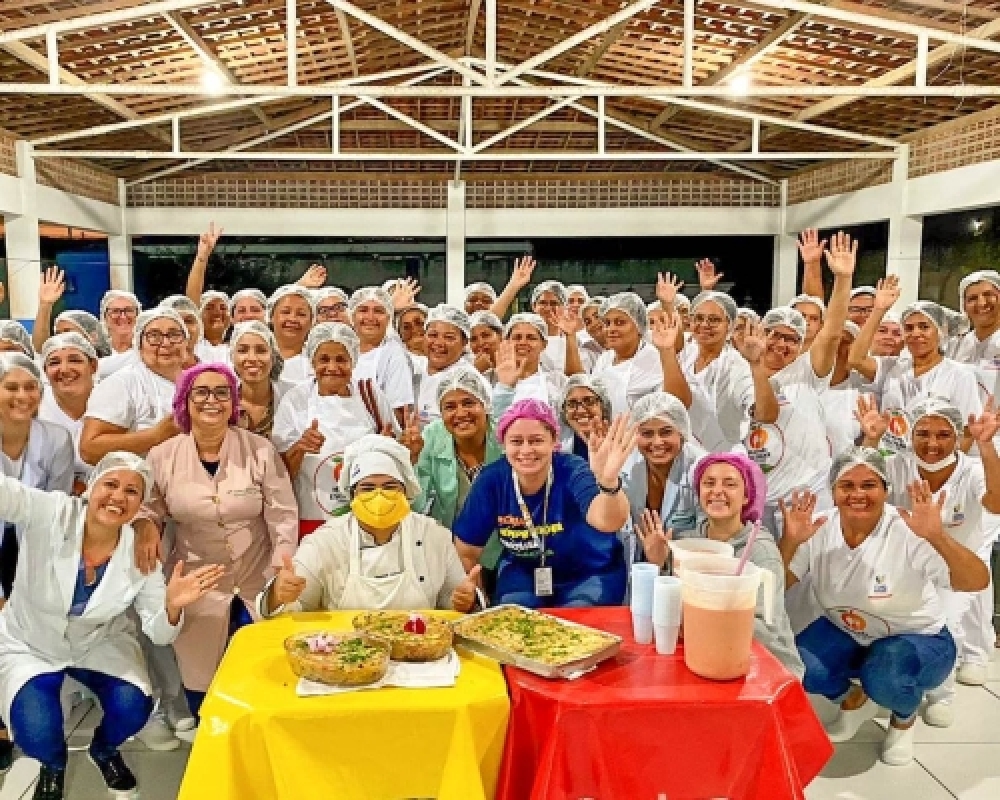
{"points": [[905, 234], [24, 252], [786, 258], [120, 247], [455, 245]]}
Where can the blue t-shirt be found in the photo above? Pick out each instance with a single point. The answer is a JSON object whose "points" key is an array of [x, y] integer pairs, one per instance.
{"points": [[81, 591], [575, 549]]}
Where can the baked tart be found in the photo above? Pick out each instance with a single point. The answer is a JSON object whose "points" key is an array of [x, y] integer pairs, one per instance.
{"points": [[412, 637], [338, 659]]}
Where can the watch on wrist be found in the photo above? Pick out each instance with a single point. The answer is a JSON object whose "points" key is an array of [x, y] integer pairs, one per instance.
{"points": [[615, 490]]}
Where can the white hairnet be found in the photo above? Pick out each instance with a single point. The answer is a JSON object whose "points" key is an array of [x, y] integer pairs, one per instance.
{"points": [[392, 284], [465, 379], [723, 300], [934, 313], [13, 331], [549, 286], [480, 287], [258, 328], [487, 318], [935, 406], [333, 332], [184, 304], [664, 406], [527, 318], [118, 294], [452, 315], [374, 454], [788, 317], [157, 312], [72, 339], [209, 296], [596, 302], [892, 316], [326, 292], [858, 291], [87, 323], [368, 294], [852, 328], [254, 294], [287, 291], [575, 288], [584, 380], [412, 307], [749, 313], [9, 361], [980, 276], [119, 459], [656, 305], [682, 301], [957, 322], [631, 304], [808, 298], [858, 456]]}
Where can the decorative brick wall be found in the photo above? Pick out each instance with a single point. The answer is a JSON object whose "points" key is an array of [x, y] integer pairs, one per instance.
{"points": [[77, 177], [8, 154], [971, 140], [836, 178]]}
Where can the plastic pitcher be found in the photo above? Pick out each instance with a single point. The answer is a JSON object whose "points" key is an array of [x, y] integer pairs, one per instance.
{"points": [[719, 611], [690, 548]]}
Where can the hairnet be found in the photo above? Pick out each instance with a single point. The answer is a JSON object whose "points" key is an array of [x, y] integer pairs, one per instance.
{"points": [[182, 415], [289, 290], [858, 291], [754, 483], [487, 318], [596, 302], [934, 313], [71, 339], [723, 300], [549, 286], [858, 456], [576, 288], [656, 305], [87, 323], [631, 304], [749, 313], [258, 328], [326, 292], [412, 307], [465, 379], [368, 294], [116, 294], [584, 380], [117, 460], [452, 315], [157, 312], [374, 454], [682, 301], [664, 406], [935, 406], [183, 304], [333, 332], [980, 276], [808, 298], [527, 318], [480, 287], [13, 331], [788, 317], [892, 316], [209, 296], [9, 361], [531, 409], [958, 322], [852, 328], [253, 294]]}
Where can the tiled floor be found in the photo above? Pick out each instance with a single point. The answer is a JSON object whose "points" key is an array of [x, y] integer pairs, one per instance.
{"points": [[958, 762]]}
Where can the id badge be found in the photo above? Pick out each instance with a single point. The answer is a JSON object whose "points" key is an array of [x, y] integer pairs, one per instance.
{"points": [[543, 581]]}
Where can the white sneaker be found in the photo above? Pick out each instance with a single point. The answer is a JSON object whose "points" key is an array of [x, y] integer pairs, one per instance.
{"points": [[157, 734], [897, 749], [940, 714], [847, 724], [972, 674]]}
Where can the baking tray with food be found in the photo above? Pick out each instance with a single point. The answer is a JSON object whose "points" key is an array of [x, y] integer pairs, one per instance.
{"points": [[536, 642]]}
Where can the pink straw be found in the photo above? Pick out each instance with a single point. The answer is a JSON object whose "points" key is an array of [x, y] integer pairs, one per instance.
{"points": [[746, 550]]}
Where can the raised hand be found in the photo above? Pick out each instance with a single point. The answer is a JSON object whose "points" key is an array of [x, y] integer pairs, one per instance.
{"points": [[984, 427], [464, 596], [665, 330], [707, 276], [842, 256], [410, 437], [607, 457], [183, 590], [523, 269], [483, 362], [207, 241], [405, 293], [811, 247], [314, 277], [753, 343], [569, 321], [886, 292], [312, 440], [924, 514], [508, 370], [287, 586], [667, 287], [52, 286], [654, 539], [873, 423], [797, 515]]}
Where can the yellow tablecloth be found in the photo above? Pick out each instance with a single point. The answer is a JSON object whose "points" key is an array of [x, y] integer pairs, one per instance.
{"points": [[258, 740]]}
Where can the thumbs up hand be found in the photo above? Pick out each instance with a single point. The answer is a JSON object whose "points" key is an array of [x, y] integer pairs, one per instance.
{"points": [[287, 586], [464, 596], [312, 440]]}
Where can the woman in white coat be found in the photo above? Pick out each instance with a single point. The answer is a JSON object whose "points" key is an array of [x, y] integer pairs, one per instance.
{"points": [[69, 618], [379, 556]]}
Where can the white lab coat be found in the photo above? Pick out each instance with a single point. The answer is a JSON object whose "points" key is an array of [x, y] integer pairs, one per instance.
{"points": [[37, 635]]}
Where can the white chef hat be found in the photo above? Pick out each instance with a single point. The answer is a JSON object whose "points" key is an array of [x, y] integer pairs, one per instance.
{"points": [[255, 326], [809, 298], [631, 304], [209, 296], [181, 304], [70, 339], [157, 312], [255, 294], [487, 318], [115, 294], [287, 291], [368, 293], [452, 315], [374, 454], [662, 405], [13, 331], [119, 459], [480, 287], [980, 276], [527, 318], [333, 332], [549, 286], [466, 379]]}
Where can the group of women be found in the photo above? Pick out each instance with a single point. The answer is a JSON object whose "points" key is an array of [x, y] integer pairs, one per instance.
{"points": [[214, 461]]}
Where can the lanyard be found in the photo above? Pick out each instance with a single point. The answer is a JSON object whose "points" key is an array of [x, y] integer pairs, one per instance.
{"points": [[528, 521]]}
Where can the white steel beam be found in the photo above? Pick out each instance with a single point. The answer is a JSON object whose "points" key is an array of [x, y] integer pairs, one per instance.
{"points": [[688, 65], [385, 108], [52, 54], [920, 77], [335, 125], [291, 42], [491, 42], [345, 32], [143, 11], [524, 123], [602, 126]]}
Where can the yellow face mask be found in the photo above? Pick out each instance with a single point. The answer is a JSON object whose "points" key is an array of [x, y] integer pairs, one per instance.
{"points": [[380, 509]]}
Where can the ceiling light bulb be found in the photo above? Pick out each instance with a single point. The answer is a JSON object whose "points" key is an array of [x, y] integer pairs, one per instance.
{"points": [[213, 81], [740, 84]]}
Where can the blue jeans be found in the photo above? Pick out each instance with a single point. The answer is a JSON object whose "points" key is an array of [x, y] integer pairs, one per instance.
{"points": [[516, 584], [36, 715], [894, 671], [239, 617]]}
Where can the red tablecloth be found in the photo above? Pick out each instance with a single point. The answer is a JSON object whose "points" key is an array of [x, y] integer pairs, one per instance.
{"points": [[643, 727]]}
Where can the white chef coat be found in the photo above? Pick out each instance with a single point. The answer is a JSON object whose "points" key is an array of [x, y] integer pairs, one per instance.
{"points": [[109, 365], [554, 354], [134, 398], [297, 369], [728, 383], [839, 404], [209, 353], [544, 385], [632, 379], [389, 368], [50, 411], [887, 585]]}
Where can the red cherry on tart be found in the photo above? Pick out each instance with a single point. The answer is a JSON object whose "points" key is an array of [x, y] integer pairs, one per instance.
{"points": [[415, 624]]}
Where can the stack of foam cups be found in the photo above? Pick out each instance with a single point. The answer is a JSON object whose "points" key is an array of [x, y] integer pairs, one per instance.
{"points": [[666, 614], [643, 579]]}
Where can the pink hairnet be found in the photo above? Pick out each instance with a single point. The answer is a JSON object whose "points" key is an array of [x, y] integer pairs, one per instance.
{"points": [[528, 409], [183, 389], [753, 480]]}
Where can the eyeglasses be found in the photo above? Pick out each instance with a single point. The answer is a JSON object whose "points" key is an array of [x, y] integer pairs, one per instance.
{"points": [[156, 338], [548, 303], [201, 394], [127, 313], [328, 311], [859, 310], [786, 338], [708, 322], [584, 402]]}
